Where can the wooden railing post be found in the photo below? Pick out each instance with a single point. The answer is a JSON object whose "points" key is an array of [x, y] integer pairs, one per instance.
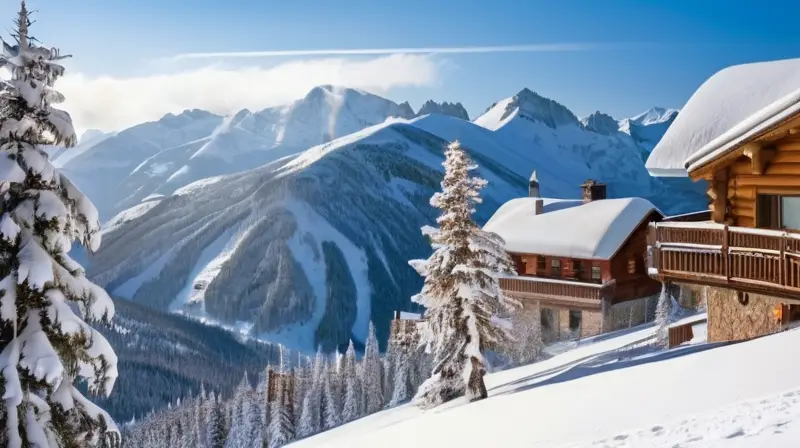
{"points": [[782, 261], [726, 260]]}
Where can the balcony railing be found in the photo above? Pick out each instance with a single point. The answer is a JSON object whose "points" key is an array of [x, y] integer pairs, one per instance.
{"points": [[557, 292], [746, 259]]}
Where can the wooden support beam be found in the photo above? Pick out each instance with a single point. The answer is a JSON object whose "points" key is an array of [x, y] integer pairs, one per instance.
{"points": [[778, 180], [719, 196], [759, 156]]}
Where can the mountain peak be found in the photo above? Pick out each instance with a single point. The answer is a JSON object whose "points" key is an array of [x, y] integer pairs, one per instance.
{"points": [[601, 123], [456, 110], [532, 106], [406, 110], [655, 115]]}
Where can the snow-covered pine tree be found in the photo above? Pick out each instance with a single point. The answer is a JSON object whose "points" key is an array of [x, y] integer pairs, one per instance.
{"points": [[388, 371], [281, 430], [215, 423], [401, 390], [257, 433], [372, 378], [527, 346], [461, 293], [45, 345], [663, 310], [330, 409], [240, 415], [350, 409]]}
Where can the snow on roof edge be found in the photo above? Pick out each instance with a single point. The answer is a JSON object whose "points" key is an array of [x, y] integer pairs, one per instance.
{"points": [[745, 130]]}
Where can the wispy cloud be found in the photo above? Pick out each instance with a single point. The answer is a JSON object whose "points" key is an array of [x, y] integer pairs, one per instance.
{"points": [[528, 48], [114, 103]]}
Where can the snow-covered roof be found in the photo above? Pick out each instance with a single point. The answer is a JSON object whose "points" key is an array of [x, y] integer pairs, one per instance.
{"points": [[569, 228], [735, 104]]}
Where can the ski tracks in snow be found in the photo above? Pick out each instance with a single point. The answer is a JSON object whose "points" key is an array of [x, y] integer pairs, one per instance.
{"points": [[771, 421]]}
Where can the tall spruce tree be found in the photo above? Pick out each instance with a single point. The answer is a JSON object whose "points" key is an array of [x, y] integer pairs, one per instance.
{"points": [[45, 346], [350, 408], [461, 292], [373, 380], [662, 317]]}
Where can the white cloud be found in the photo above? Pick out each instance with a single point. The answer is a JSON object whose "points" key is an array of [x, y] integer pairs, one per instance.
{"points": [[527, 48], [109, 103]]}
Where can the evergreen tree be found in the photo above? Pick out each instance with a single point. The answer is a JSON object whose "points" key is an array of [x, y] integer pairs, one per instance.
{"points": [[372, 378], [281, 427], [215, 423], [388, 371], [402, 389], [662, 317], [309, 415], [461, 292], [45, 346], [350, 409], [330, 408], [239, 432], [527, 345]]}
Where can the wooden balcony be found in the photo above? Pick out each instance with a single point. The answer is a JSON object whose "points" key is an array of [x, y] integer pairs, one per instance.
{"points": [[557, 293], [744, 259]]}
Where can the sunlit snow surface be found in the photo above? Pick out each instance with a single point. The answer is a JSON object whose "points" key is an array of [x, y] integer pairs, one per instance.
{"points": [[613, 392]]}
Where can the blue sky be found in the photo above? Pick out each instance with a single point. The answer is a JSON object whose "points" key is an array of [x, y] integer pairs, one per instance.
{"points": [[638, 53]]}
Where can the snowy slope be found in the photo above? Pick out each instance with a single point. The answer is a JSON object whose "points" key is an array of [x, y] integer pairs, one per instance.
{"points": [[307, 249], [738, 395], [160, 157]]}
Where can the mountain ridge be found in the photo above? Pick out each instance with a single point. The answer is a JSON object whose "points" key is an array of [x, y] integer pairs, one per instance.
{"points": [[338, 221]]}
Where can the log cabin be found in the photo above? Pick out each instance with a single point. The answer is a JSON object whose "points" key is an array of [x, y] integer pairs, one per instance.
{"points": [[582, 262], [739, 133]]}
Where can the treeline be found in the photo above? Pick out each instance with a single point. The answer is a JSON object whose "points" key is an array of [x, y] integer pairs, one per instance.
{"points": [[305, 397]]}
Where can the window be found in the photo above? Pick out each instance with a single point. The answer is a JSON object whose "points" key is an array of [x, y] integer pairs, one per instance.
{"points": [[541, 264], [790, 213], [596, 273], [577, 267], [631, 265], [549, 317], [574, 320], [778, 212], [555, 267]]}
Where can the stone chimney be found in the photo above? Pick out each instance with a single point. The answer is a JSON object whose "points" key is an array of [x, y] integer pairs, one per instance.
{"points": [[593, 190], [533, 187]]}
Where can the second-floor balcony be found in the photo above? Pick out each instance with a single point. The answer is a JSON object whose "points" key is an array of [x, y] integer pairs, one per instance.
{"points": [[556, 292], [740, 258]]}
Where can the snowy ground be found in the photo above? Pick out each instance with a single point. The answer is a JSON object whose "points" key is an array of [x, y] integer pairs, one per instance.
{"points": [[613, 391]]}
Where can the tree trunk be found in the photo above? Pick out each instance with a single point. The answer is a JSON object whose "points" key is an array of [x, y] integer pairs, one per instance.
{"points": [[476, 387]]}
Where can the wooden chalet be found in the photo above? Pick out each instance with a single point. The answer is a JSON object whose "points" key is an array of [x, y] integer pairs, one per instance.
{"points": [[740, 133], [578, 260]]}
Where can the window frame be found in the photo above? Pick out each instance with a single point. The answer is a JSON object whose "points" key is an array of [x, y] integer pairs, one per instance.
{"points": [[555, 267], [599, 270]]}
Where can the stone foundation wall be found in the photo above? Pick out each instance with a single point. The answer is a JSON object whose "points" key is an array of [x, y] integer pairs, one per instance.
{"points": [[631, 313], [591, 323], [730, 319]]}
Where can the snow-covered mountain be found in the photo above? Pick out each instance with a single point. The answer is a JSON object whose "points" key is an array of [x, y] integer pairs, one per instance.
{"points": [[155, 159], [648, 127], [456, 110], [307, 250]]}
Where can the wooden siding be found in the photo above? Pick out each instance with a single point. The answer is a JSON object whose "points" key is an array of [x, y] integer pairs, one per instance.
{"points": [[527, 264], [763, 168], [630, 286]]}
